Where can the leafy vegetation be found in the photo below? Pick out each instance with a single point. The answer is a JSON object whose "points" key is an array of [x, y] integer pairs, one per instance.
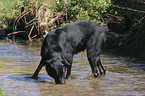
{"points": [[83, 9], [8, 11], [37, 16]]}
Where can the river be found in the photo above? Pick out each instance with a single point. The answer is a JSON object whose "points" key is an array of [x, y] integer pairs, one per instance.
{"points": [[18, 61]]}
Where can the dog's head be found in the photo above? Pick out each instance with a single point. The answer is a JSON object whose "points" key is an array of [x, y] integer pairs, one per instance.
{"points": [[56, 69]]}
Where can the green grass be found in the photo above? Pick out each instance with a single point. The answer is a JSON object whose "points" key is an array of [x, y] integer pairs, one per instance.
{"points": [[9, 9]]}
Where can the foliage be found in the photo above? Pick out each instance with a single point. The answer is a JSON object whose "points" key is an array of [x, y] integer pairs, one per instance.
{"points": [[8, 11], [34, 17], [83, 9]]}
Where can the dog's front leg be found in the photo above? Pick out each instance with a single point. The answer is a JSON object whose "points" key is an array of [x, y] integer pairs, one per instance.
{"points": [[35, 75], [68, 72]]}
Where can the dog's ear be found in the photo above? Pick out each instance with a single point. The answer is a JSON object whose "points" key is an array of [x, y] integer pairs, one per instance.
{"points": [[65, 62]]}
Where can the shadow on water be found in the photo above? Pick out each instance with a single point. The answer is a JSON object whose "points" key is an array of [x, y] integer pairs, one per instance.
{"points": [[124, 76]]}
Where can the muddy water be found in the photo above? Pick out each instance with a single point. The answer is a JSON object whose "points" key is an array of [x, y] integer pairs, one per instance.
{"points": [[18, 62]]}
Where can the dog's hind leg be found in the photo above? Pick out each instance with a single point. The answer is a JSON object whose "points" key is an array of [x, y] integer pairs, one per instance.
{"points": [[99, 64], [94, 46], [92, 54], [93, 64], [35, 75]]}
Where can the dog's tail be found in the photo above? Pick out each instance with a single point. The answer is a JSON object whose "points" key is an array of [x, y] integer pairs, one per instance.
{"points": [[126, 32]]}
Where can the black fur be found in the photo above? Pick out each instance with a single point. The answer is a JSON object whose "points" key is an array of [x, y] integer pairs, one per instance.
{"points": [[61, 44]]}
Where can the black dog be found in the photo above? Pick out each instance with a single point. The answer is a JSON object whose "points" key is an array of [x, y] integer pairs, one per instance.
{"points": [[61, 44]]}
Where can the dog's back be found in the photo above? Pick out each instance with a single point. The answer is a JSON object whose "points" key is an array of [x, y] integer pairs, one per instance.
{"points": [[73, 36]]}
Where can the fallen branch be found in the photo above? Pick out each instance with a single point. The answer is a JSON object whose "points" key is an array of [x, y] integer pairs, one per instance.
{"points": [[35, 18], [118, 17], [8, 39], [31, 24], [16, 32], [54, 19], [17, 20], [34, 36], [139, 21], [128, 9], [29, 36]]}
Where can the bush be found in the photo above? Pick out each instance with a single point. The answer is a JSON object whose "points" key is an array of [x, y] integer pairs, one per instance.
{"points": [[36, 16], [83, 9], [8, 12]]}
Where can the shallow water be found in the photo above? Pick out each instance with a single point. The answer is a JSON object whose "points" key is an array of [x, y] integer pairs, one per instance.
{"points": [[124, 76]]}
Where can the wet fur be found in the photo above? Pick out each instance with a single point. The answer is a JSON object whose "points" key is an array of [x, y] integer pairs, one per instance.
{"points": [[61, 44]]}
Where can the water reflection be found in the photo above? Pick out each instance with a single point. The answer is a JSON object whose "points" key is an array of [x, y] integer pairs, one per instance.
{"points": [[124, 76]]}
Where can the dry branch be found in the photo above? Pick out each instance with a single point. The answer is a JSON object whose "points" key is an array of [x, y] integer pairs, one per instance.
{"points": [[15, 32], [54, 19], [128, 9], [34, 18], [29, 36], [17, 20], [31, 24]]}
